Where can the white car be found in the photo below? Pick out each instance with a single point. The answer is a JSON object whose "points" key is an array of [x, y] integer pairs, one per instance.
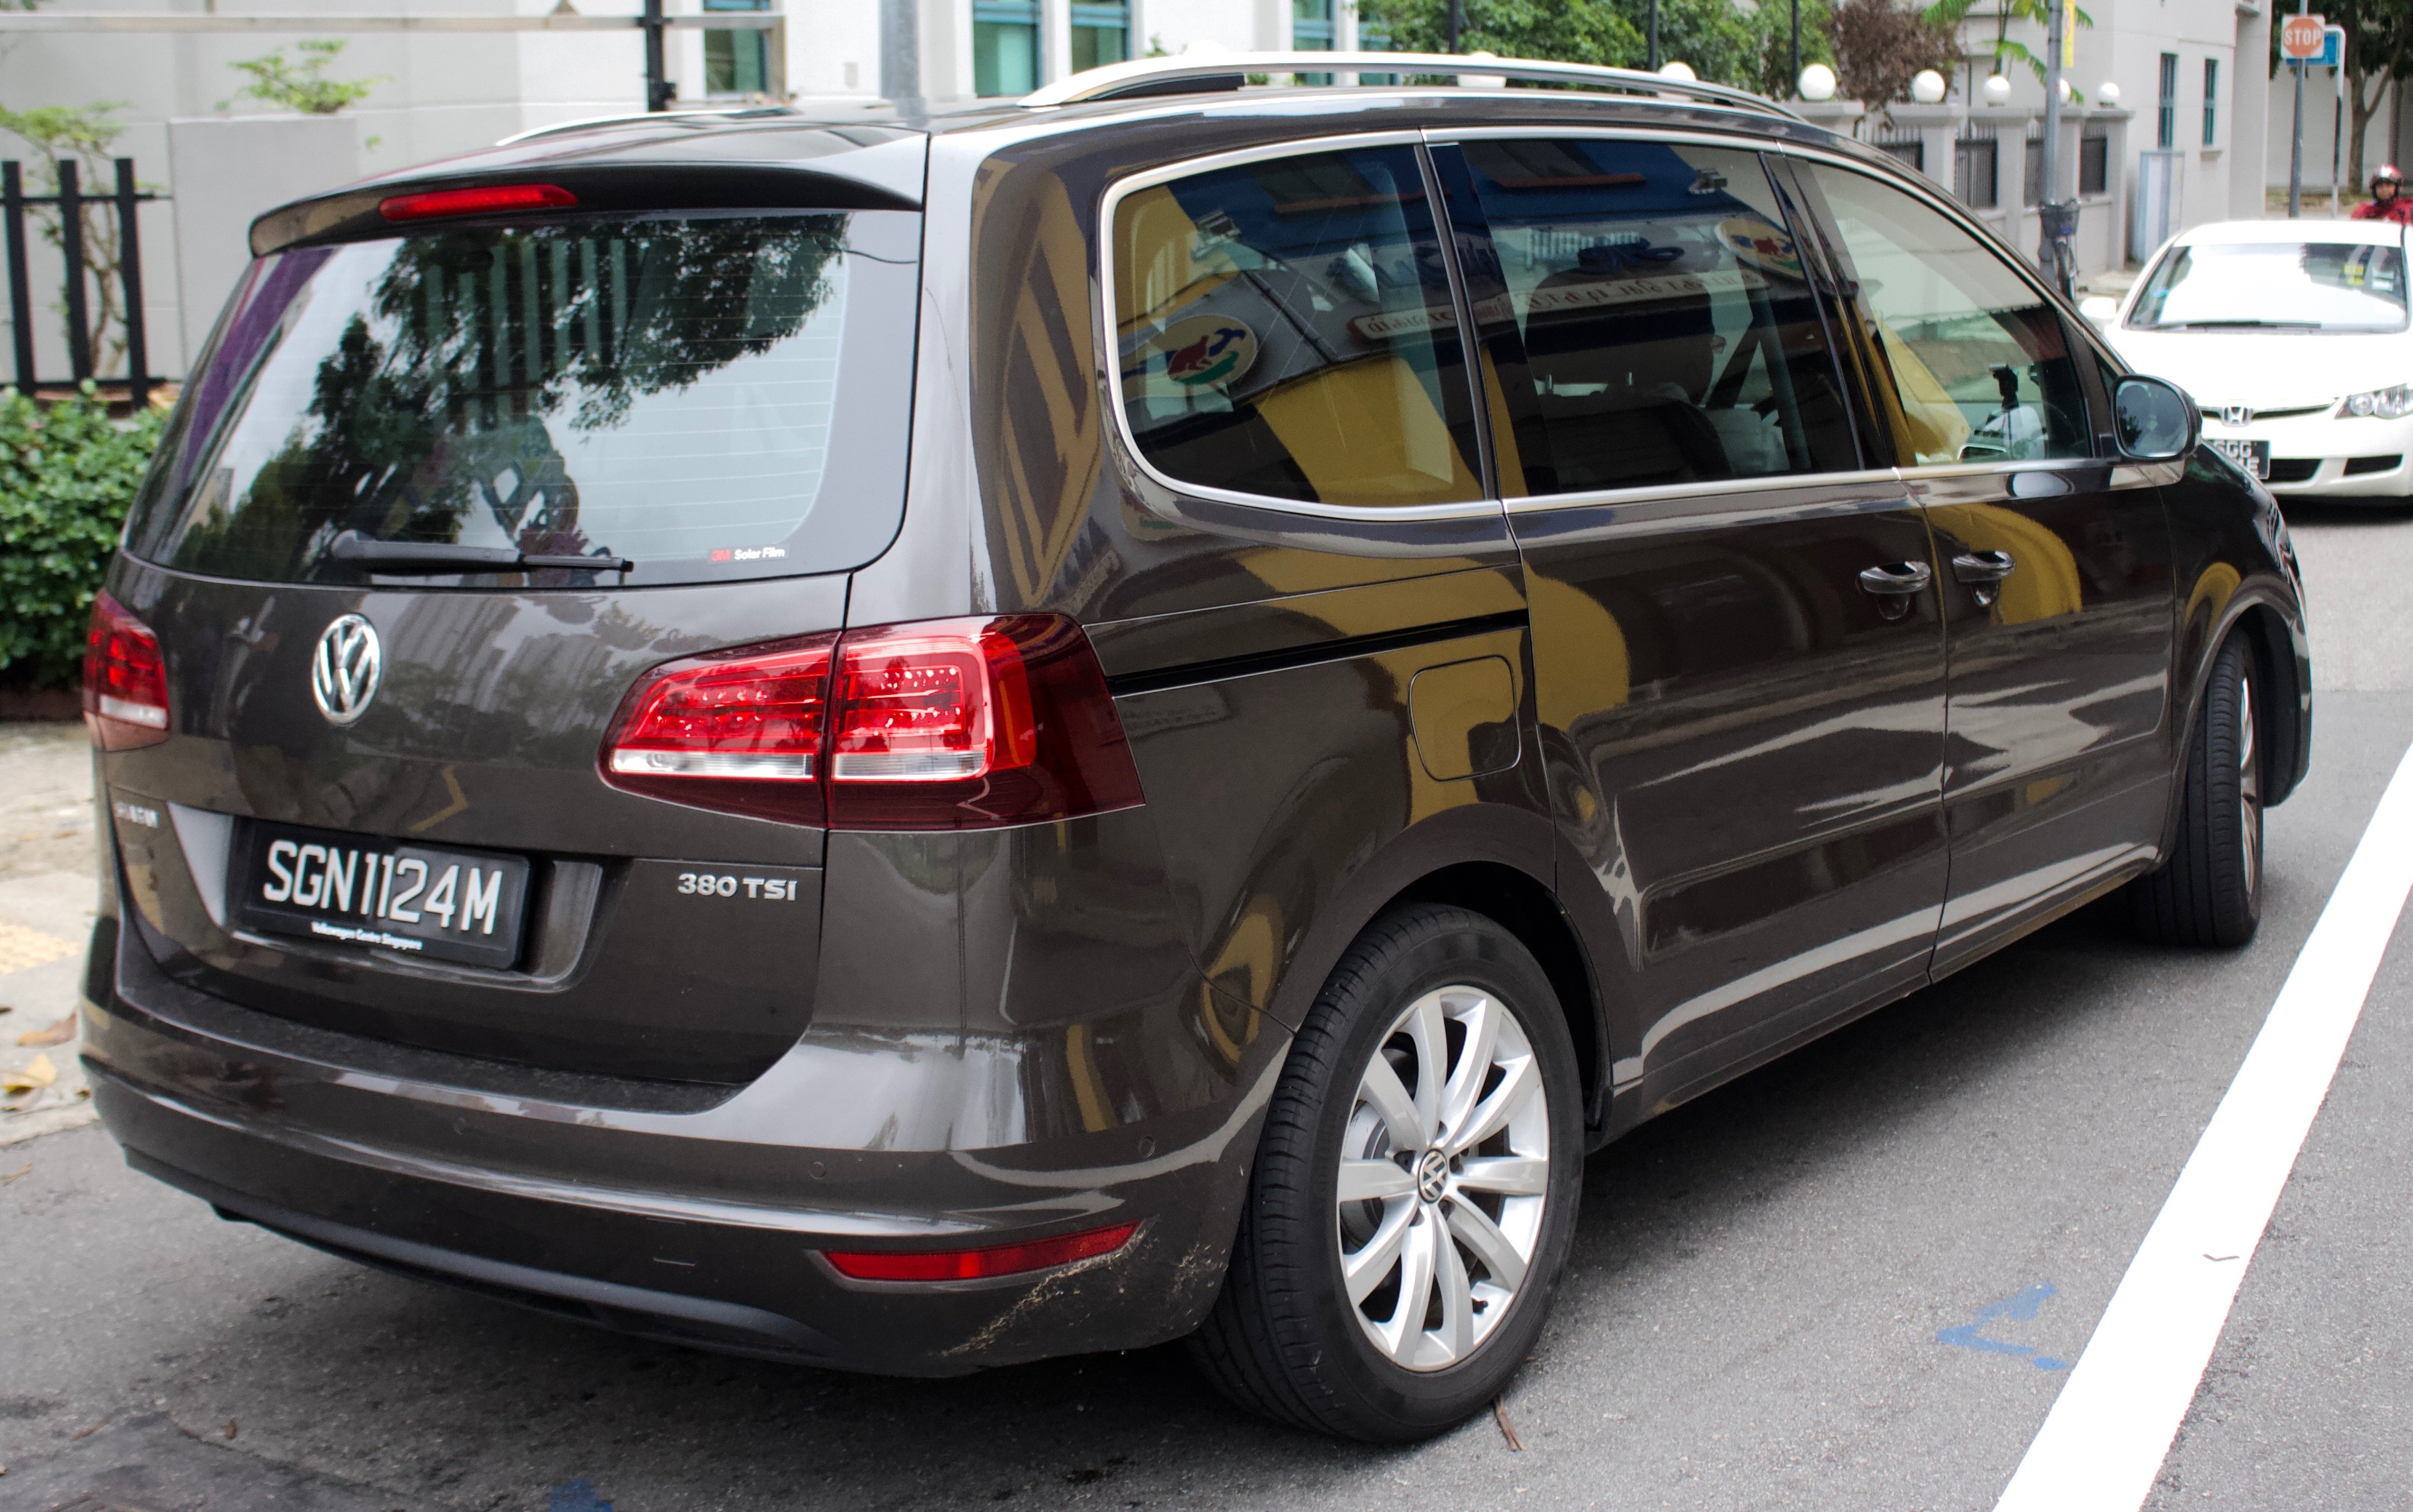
{"points": [[2292, 336]]}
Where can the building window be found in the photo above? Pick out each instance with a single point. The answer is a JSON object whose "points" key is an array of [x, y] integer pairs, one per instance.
{"points": [[1973, 164], [1373, 36], [1101, 34], [2165, 119], [2094, 163], [1310, 31], [1005, 47], [736, 63], [2211, 102]]}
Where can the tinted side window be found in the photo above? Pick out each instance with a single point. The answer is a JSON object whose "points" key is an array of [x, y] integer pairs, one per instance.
{"points": [[1666, 330], [1977, 362], [1284, 328]]}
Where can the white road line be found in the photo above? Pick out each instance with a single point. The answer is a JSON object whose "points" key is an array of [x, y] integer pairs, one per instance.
{"points": [[2103, 1444]]}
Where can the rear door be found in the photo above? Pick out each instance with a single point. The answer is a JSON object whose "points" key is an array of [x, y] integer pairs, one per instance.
{"points": [[2056, 587], [1739, 665], [379, 807]]}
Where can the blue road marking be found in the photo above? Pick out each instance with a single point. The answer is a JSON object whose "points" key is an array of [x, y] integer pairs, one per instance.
{"points": [[576, 1496], [2020, 1309]]}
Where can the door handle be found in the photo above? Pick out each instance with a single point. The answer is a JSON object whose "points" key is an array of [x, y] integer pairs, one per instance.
{"points": [[1895, 579], [1984, 571], [1983, 566], [1893, 584]]}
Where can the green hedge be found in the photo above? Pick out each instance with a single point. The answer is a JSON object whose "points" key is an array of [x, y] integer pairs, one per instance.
{"points": [[67, 472]]}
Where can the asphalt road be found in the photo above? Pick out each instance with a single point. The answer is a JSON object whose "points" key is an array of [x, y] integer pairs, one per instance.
{"points": [[1752, 1320]]}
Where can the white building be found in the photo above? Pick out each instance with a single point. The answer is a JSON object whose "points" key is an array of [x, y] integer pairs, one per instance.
{"points": [[2187, 111]]}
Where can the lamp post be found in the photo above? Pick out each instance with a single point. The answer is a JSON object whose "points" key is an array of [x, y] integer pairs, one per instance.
{"points": [[1457, 24], [1796, 74], [1653, 63], [2049, 198]]}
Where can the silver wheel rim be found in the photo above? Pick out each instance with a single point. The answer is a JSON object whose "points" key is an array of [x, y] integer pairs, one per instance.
{"points": [[1444, 1173], [2249, 789]]}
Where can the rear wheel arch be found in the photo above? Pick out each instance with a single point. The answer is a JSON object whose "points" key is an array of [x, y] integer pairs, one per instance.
{"points": [[1529, 910]]}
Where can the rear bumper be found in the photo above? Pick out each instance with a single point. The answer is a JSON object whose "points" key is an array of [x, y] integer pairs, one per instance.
{"points": [[670, 1214]]}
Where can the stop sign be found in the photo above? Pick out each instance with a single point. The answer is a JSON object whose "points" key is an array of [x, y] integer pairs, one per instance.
{"points": [[2299, 38]]}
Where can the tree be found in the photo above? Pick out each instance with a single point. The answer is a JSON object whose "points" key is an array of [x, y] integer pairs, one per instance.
{"points": [[87, 133], [302, 85], [1951, 13], [1880, 48], [1722, 42]]}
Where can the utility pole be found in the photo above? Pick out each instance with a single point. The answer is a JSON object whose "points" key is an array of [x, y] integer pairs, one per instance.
{"points": [[1457, 24], [2296, 143], [900, 55], [1653, 63], [660, 91], [2049, 195], [1796, 75]]}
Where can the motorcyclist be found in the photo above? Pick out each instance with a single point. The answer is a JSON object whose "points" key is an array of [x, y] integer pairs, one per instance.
{"points": [[2388, 201]]}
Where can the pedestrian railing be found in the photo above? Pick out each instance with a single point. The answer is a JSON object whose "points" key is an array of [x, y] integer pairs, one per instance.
{"points": [[71, 202]]}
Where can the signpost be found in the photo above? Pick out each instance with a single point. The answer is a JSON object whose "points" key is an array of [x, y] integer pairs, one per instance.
{"points": [[2303, 37]]}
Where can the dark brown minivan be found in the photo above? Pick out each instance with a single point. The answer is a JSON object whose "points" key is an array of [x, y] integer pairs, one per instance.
{"points": [[1138, 715]]}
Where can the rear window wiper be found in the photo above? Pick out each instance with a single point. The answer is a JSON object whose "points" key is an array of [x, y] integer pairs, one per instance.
{"points": [[404, 558]]}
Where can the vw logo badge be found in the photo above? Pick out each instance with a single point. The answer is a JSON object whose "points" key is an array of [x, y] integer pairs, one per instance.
{"points": [[2236, 415], [344, 671]]}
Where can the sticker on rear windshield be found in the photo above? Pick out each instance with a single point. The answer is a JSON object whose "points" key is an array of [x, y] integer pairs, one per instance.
{"points": [[747, 554], [1205, 352]]}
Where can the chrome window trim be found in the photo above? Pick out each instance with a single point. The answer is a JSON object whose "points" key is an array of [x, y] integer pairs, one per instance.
{"points": [[1110, 334], [1972, 469], [1526, 504]]}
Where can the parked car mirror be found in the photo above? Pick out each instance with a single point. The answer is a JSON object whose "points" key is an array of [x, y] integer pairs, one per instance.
{"points": [[2157, 420], [2100, 310]]}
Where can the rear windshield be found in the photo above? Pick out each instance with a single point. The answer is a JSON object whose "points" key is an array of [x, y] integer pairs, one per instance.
{"points": [[2278, 286], [706, 396]]}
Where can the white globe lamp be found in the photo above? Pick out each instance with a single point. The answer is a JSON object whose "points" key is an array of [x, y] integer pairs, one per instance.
{"points": [[1997, 89], [2107, 92], [1817, 83], [2066, 92], [1927, 87], [1679, 70]]}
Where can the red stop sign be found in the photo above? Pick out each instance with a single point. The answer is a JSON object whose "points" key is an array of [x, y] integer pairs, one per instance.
{"points": [[2300, 37]]}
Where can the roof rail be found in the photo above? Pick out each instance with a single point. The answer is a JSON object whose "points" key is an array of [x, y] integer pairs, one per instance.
{"points": [[590, 123], [1195, 73]]}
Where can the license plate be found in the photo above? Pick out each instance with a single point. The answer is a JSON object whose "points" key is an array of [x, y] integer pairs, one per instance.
{"points": [[383, 895], [2252, 457]]}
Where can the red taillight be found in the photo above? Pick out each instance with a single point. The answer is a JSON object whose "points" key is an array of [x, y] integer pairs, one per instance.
{"points": [[947, 724], [124, 682], [493, 200], [741, 730], [970, 1265]]}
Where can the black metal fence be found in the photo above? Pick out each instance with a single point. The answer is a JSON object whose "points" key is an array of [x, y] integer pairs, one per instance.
{"points": [[71, 202]]}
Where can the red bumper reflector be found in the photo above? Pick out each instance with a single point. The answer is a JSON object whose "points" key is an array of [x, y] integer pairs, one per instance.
{"points": [[493, 200], [970, 1265]]}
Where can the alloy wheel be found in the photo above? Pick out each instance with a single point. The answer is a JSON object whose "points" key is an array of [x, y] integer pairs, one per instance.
{"points": [[1444, 1173]]}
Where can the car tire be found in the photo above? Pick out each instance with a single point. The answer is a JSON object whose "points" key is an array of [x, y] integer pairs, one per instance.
{"points": [[2209, 890], [1313, 1327]]}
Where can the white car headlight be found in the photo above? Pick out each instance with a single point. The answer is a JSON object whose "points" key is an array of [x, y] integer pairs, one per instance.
{"points": [[2388, 404]]}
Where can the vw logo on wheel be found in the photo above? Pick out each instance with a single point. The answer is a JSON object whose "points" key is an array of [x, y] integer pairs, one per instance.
{"points": [[345, 669]]}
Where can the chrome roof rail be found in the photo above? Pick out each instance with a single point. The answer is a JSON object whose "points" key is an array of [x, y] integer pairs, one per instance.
{"points": [[1212, 71]]}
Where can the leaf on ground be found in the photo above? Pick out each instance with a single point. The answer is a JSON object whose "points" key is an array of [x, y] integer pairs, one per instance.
{"points": [[58, 1033], [31, 1078], [12, 1176], [230, 1428]]}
